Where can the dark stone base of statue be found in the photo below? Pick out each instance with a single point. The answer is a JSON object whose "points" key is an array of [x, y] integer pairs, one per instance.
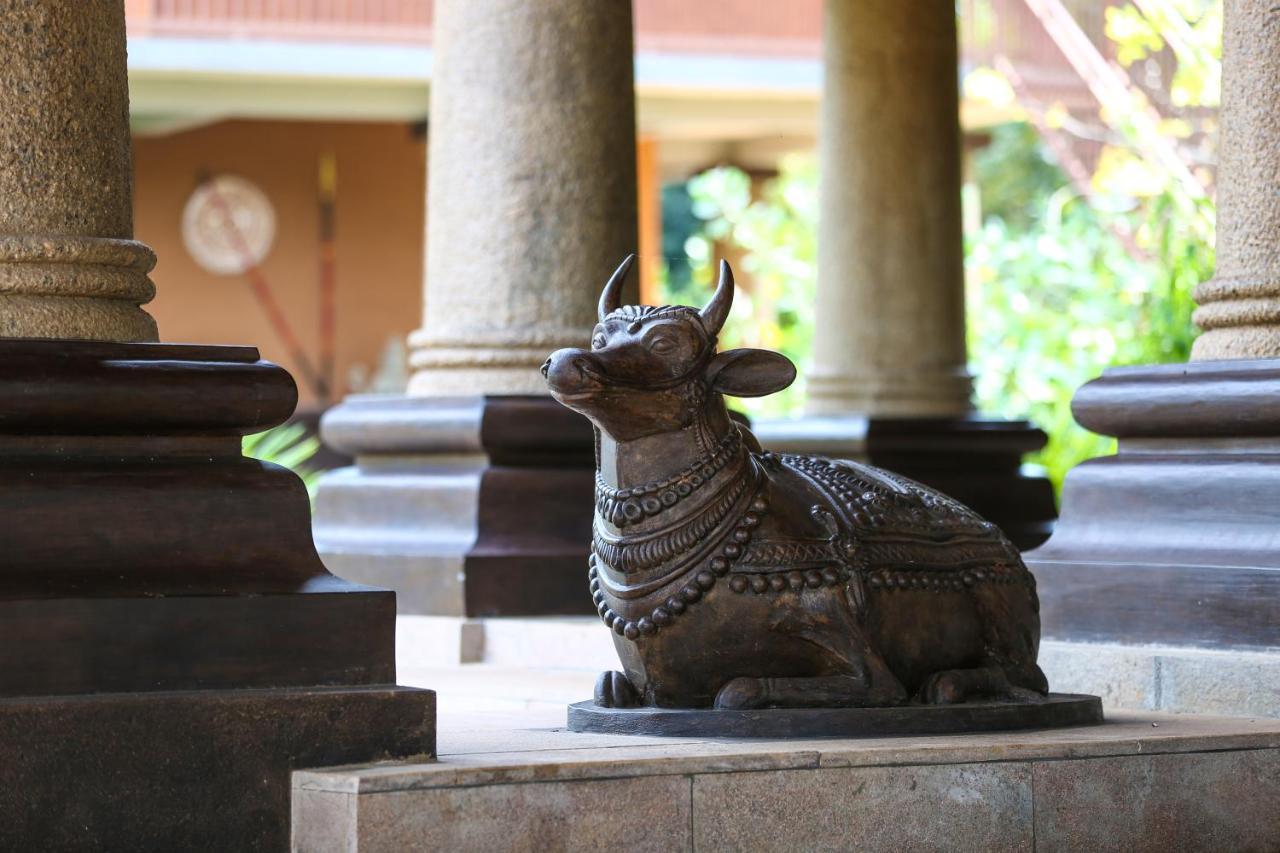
{"points": [[746, 581], [1173, 540], [1052, 711], [171, 646]]}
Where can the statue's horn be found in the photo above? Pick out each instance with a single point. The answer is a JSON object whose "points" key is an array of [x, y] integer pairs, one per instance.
{"points": [[611, 298], [717, 310]]}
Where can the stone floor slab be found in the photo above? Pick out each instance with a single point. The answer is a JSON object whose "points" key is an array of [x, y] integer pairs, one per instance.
{"points": [[1208, 801], [583, 815], [941, 807]]}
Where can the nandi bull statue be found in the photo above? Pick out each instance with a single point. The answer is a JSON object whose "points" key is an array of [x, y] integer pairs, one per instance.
{"points": [[738, 579]]}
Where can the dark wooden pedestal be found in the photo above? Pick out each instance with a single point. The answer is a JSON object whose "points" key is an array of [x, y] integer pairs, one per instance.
{"points": [[170, 644], [1176, 538], [467, 506]]}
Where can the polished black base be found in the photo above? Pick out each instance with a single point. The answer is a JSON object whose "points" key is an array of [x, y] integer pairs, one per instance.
{"points": [[1059, 710]]}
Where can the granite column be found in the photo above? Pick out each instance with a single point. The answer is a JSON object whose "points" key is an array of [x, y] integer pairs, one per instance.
{"points": [[889, 382], [471, 494]]}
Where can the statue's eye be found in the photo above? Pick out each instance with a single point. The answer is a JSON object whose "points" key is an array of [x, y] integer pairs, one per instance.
{"points": [[662, 346], [597, 342]]}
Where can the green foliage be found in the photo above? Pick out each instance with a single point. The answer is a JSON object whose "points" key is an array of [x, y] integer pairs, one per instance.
{"points": [[1059, 287], [1051, 306], [1015, 175], [776, 233], [1192, 29], [288, 446]]}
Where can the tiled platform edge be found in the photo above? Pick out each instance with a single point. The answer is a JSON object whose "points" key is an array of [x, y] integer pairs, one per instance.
{"points": [[1139, 783]]}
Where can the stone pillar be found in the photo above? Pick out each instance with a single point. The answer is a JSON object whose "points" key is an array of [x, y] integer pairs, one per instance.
{"points": [[888, 383], [1172, 541], [471, 495], [69, 267], [172, 646], [1240, 307], [889, 339], [531, 187]]}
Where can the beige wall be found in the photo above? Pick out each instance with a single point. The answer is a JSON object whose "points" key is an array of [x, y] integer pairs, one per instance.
{"points": [[380, 210]]}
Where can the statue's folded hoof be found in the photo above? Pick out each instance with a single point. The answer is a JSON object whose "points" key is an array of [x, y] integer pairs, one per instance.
{"points": [[742, 694], [614, 690]]}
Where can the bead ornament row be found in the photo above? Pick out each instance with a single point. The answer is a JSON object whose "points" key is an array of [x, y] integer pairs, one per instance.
{"points": [[699, 585], [628, 506]]}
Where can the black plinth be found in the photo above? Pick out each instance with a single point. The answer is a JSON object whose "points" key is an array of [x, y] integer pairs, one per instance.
{"points": [[1059, 710], [189, 769], [1176, 538], [469, 506], [977, 461], [171, 646]]}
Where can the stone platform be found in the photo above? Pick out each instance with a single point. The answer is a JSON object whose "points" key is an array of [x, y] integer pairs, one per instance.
{"points": [[511, 777]]}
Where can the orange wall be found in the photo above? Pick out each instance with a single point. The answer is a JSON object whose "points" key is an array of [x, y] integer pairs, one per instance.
{"points": [[379, 216]]}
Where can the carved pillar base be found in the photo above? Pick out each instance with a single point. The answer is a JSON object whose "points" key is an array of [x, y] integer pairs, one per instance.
{"points": [[466, 506], [169, 640], [1176, 538], [975, 460]]}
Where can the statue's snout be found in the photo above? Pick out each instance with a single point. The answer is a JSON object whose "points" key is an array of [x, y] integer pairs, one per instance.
{"points": [[572, 371]]}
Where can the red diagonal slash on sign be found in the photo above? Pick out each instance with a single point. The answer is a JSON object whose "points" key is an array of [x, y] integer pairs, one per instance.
{"points": [[266, 300]]}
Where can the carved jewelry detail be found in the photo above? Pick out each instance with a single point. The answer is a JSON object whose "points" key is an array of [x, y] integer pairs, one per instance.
{"points": [[701, 579], [934, 580], [624, 507], [635, 554]]}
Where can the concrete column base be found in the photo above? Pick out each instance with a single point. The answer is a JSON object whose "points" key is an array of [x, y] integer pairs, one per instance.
{"points": [[977, 461], [1174, 540], [466, 506]]}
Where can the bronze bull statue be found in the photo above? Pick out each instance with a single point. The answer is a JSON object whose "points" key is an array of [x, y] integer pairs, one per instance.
{"points": [[743, 579]]}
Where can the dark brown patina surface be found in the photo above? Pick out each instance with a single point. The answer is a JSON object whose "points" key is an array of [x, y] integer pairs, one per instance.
{"points": [[740, 579]]}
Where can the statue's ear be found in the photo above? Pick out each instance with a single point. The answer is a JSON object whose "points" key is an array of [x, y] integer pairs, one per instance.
{"points": [[749, 372]]}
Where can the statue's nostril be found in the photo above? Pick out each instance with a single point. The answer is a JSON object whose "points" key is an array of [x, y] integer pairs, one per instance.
{"points": [[546, 368]]}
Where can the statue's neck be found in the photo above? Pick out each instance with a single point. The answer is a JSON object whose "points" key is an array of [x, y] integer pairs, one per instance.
{"points": [[641, 461]]}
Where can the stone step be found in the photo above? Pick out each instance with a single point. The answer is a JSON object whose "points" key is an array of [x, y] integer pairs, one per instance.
{"points": [[520, 781]]}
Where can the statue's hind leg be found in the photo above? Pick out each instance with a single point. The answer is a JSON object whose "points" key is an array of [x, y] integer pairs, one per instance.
{"points": [[855, 675], [824, 691], [1011, 636], [1019, 683]]}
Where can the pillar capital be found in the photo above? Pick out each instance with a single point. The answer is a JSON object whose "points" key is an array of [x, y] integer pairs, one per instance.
{"points": [[69, 267]]}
